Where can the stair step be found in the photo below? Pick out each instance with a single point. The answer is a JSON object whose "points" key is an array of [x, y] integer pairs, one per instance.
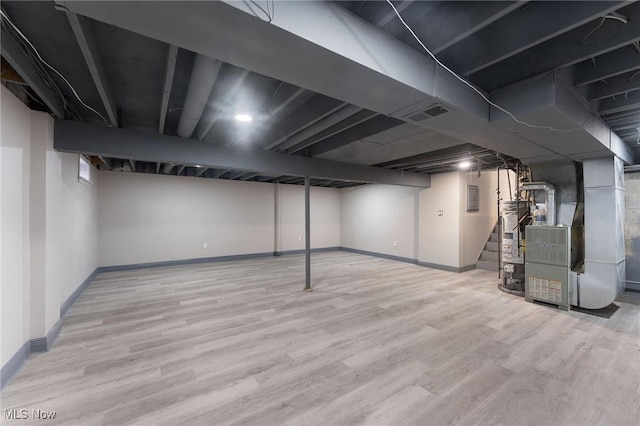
{"points": [[489, 255], [493, 237], [492, 246], [487, 265]]}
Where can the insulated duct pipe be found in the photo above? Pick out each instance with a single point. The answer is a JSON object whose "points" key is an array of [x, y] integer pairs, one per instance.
{"points": [[550, 190], [203, 78]]}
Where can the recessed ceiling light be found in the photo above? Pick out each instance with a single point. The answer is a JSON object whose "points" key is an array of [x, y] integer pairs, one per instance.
{"points": [[244, 117], [198, 165], [464, 165]]}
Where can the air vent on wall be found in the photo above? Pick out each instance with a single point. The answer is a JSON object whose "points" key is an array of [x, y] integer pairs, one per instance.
{"points": [[432, 111]]}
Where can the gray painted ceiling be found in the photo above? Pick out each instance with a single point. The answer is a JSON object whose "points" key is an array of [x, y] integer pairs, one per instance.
{"points": [[496, 45]]}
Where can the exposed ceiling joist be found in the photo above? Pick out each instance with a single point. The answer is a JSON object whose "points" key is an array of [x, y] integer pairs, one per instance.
{"points": [[315, 128], [309, 113], [608, 65], [169, 72], [285, 95], [564, 50], [84, 35], [201, 171], [618, 85], [249, 176], [180, 169], [219, 173], [347, 123], [537, 22], [390, 15], [620, 103], [368, 128], [78, 137], [102, 162], [456, 21], [19, 62]]}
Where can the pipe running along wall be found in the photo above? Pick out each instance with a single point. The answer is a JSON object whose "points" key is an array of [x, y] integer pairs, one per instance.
{"points": [[550, 191]]}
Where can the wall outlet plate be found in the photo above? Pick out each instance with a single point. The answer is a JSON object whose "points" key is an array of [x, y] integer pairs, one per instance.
{"points": [[205, 245], [440, 213]]}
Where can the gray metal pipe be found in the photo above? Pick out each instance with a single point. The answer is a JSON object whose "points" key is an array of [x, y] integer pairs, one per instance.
{"points": [[203, 78], [551, 198]]}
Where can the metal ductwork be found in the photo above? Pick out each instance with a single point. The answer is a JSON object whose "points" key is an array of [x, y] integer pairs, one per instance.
{"points": [[598, 273], [550, 191], [604, 266], [203, 78]]}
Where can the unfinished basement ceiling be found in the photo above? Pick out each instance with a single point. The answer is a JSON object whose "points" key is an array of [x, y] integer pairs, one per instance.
{"points": [[139, 82]]}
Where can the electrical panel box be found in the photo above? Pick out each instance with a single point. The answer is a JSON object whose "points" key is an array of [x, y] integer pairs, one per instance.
{"points": [[548, 263]]}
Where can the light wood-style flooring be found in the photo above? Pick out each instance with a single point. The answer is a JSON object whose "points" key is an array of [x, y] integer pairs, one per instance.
{"points": [[378, 342]]}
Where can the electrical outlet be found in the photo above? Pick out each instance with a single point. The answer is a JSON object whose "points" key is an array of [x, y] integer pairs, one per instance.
{"points": [[205, 245], [299, 238], [395, 244], [440, 213]]}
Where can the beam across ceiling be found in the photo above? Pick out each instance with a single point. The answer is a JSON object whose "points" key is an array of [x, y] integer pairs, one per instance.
{"points": [[169, 71], [70, 136], [452, 21], [608, 65], [84, 35], [564, 50], [535, 23], [22, 64], [625, 102]]}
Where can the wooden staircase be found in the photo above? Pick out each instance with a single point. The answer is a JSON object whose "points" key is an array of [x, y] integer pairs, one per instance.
{"points": [[489, 258]]}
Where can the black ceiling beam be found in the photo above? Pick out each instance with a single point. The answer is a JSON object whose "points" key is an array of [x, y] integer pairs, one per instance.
{"points": [[169, 72], [522, 29], [413, 160], [385, 14], [452, 22], [310, 112], [620, 103], [285, 94], [81, 27], [343, 125], [414, 15], [610, 64], [618, 85], [70, 136], [12, 52], [375, 125]]}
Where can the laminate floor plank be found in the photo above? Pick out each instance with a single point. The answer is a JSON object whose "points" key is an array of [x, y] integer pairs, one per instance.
{"points": [[377, 342]]}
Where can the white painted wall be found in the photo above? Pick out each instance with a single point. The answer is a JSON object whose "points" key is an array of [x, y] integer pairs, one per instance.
{"points": [[48, 226], [71, 225], [15, 139], [325, 217], [153, 218], [440, 235], [374, 216], [476, 226]]}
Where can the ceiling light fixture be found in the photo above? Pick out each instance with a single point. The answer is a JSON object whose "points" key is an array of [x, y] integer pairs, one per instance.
{"points": [[245, 118], [464, 165]]}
